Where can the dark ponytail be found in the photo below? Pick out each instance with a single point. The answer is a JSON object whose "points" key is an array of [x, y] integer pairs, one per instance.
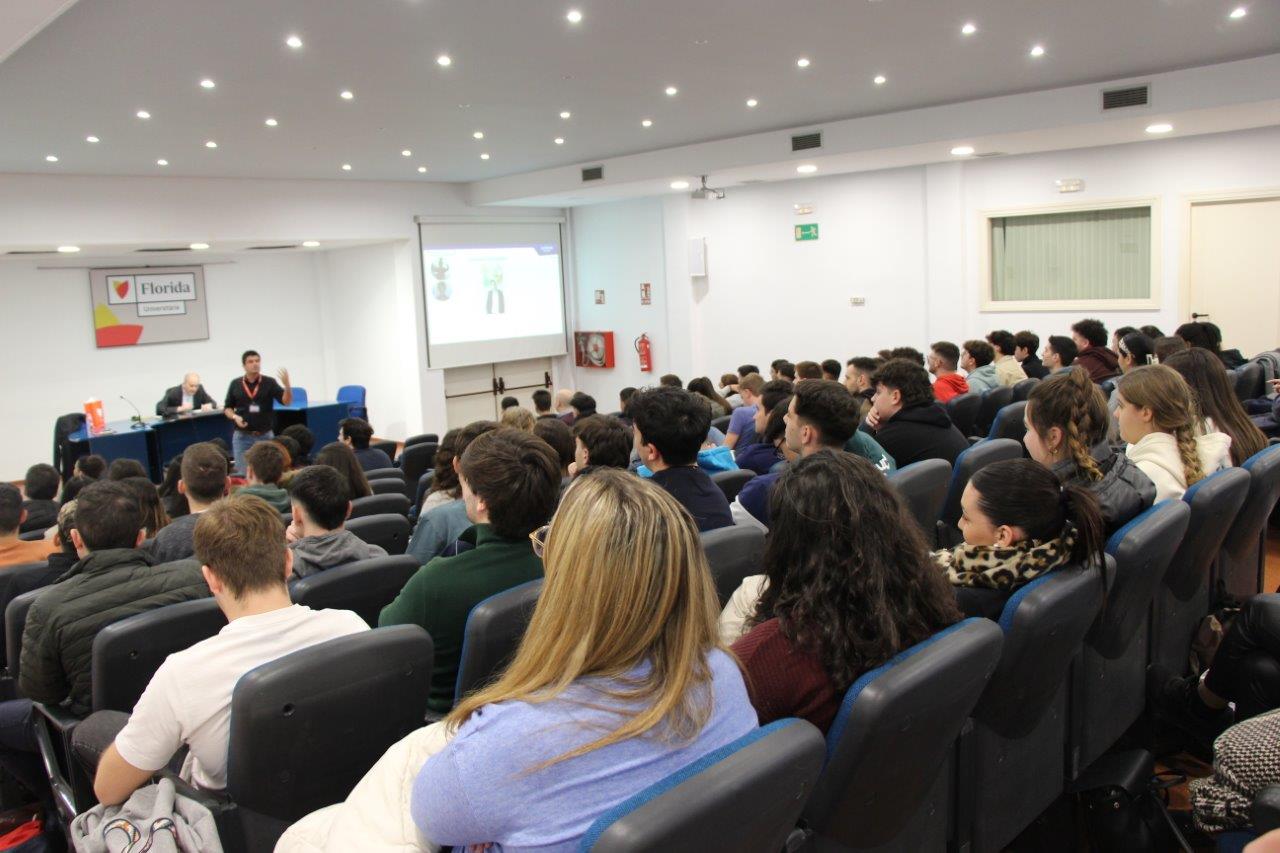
{"points": [[1023, 494]]}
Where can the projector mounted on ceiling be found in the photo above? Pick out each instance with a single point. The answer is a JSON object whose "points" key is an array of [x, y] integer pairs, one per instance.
{"points": [[706, 192]]}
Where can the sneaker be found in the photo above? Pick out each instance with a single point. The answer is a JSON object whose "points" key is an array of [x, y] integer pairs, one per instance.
{"points": [[1176, 701]]}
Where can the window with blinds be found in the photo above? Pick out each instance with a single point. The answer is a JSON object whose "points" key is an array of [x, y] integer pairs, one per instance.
{"points": [[1101, 256]]}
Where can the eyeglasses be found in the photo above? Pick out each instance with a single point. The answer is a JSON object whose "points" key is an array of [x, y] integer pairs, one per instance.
{"points": [[539, 539]]}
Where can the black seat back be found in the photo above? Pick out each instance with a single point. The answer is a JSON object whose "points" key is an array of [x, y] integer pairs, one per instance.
{"points": [[963, 411], [384, 474], [1241, 572], [415, 459], [1250, 383], [65, 452], [365, 586], [378, 504], [494, 630], [745, 797], [15, 621], [731, 482], [992, 401], [421, 438], [967, 464], [1023, 389], [126, 654], [386, 486], [14, 581], [387, 447], [923, 485], [733, 553], [1009, 422], [721, 423], [390, 530]]}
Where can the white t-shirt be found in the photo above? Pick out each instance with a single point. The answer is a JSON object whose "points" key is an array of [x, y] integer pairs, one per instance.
{"points": [[189, 699]]}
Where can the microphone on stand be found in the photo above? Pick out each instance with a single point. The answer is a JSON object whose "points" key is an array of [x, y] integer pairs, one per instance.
{"points": [[136, 420]]}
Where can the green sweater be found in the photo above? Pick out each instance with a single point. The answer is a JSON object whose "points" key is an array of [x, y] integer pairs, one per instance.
{"points": [[440, 597], [274, 495]]}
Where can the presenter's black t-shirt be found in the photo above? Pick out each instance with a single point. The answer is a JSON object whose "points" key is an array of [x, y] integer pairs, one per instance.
{"points": [[244, 396]]}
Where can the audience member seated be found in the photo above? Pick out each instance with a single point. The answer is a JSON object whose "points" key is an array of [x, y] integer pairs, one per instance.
{"points": [[742, 423], [306, 441], [1152, 332], [508, 402], [729, 389], [1059, 353], [317, 536], [560, 438], [445, 487], [597, 705], [703, 388], [356, 433], [338, 456], [1135, 350], [857, 378], [624, 399], [441, 526], [848, 584], [1067, 420], [264, 468], [510, 484], [905, 419], [1159, 418], [978, 360], [1208, 336], [831, 369], [911, 354], [1009, 371], [113, 579], [1090, 338], [943, 358], [121, 469], [808, 370], [1220, 408], [1025, 346], [61, 560], [518, 417], [188, 701], [542, 403], [204, 480], [583, 405], [154, 518], [1118, 335], [15, 551], [784, 369], [92, 466], [72, 487], [174, 502], [291, 451], [564, 411], [40, 487], [770, 451], [600, 441], [670, 427], [1167, 346], [669, 380], [1018, 522]]}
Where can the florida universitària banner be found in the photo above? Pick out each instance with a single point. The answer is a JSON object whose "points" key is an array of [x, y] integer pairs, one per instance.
{"points": [[148, 305]]}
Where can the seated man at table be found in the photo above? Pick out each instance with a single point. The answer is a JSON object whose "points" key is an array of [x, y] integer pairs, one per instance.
{"points": [[266, 464], [316, 537], [190, 396], [356, 433]]}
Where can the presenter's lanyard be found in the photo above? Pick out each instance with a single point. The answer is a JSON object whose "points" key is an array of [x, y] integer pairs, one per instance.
{"points": [[256, 387]]}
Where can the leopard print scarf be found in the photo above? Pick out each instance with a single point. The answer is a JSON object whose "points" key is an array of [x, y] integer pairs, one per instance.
{"points": [[991, 567]]}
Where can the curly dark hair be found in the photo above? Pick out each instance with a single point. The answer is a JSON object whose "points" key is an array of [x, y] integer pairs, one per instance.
{"points": [[850, 577], [906, 377], [1092, 331]]}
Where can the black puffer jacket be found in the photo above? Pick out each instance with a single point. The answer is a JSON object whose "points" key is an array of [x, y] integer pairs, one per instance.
{"points": [[920, 432], [104, 587], [1122, 493]]}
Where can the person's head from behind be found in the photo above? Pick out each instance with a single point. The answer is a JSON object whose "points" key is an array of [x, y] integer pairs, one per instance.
{"points": [[583, 404], [66, 523], [1157, 399], [154, 515], [1169, 345], [108, 515], [1066, 416], [240, 544], [911, 354], [204, 474], [744, 369], [11, 512], [1089, 333], [944, 357], [729, 381], [600, 440], [976, 354], [319, 499], [510, 481], [291, 449], [670, 426], [265, 464], [559, 437], [542, 401], [445, 478], [356, 433], [1201, 335], [92, 466], [750, 387], [774, 365], [122, 469], [822, 414], [624, 398], [341, 458], [41, 482], [563, 396], [1003, 342], [808, 370], [305, 438], [786, 370], [72, 487], [509, 402], [1017, 501], [1025, 344], [1152, 332], [518, 417], [670, 380], [1118, 335], [858, 372], [849, 572], [701, 385], [831, 369], [1204, 372], [1059, 352], [627, 592], [1135, 350], [899, 385]]}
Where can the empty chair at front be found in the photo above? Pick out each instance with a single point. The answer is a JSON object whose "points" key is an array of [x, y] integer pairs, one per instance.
{"points": [[744, 797], [923, 485]]}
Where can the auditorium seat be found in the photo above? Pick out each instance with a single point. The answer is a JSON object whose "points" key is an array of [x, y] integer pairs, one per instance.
{"points": [[992, 402], [387, 486], [416, 459], [1250, 381], [364, 587], [733, 553], [384, 474], [422, 438], [1023, 389], [15, 620], [1182, 600], [494, 630], [299, 396], [31, 536], [888, 781], [14, 581], [745, 797], [354, 397], [731, 482], [963, 411], [721, 423], [967, 464], [1009, 422], [66, 452], [377, 504], [390, 530], [1243, 558], [923, 485], [387, 447]]}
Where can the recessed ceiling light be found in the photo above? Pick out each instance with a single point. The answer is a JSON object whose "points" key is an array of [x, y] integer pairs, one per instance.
{"points": [[346, 167], [802, 62], [879, 79], [91, 139], [206, 83], [199, 247], [310, 244], [162, 162], [346, 94], [142, 114], [1238, 12], [752, 102], [1038, 50], [479, 134], [443, 60], [271, 122], [565, 114], [647, 123], [672, 90], [574, 16], [484, 156], [406, 153], [293, 42], [211, 144], [679, 185], [1160, 127], [969, 28], [806, 168], [422, 170], [52, 158], [68, 250], [962, 150], [559, 140]]}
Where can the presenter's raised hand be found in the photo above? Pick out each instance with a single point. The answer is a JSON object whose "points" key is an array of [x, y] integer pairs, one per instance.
{"points": [[284, 376]]}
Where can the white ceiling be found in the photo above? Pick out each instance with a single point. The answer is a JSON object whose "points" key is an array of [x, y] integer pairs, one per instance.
{"points": [[518, 63]]}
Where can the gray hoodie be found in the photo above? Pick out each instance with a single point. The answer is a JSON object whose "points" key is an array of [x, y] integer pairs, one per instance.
{"points": [[314, 554], [154, 818]]}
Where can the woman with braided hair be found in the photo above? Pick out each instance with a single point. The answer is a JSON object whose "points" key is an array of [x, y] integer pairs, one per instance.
{"points": [[1159, 418], [1067, 419]]}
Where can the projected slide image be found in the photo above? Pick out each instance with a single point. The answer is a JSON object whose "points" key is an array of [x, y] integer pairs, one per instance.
{"points": [[492, 292]]}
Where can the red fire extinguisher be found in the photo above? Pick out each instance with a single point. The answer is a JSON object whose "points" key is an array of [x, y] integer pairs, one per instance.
{"points": [[646, 353]]}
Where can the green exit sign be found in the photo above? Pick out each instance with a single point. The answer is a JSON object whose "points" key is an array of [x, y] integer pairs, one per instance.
{"points": [[808, 231]]}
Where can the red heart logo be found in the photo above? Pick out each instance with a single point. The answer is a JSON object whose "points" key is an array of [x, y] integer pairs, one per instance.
{"points": [[122, 288]]}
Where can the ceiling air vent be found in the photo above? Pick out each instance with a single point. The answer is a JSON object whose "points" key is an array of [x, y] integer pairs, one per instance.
{"points": [[988, 154], [272, 248], [30, 252], [1136, 96], [166, 249], [593, 173], [805, 141]]}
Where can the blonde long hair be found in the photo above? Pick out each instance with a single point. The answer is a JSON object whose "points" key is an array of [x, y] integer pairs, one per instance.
{"points": [[626, 582], [1173, 406]]}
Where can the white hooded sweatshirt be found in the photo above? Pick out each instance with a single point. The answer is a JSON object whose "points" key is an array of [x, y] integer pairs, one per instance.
{"points": [[1156, 455]]}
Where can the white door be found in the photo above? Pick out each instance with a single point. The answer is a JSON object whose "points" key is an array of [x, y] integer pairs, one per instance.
{"points": [[474, 393], [520, 379], [1235, 271]]}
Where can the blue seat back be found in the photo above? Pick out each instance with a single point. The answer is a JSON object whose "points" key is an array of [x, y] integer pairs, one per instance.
{"points": [[1009, 422], [923, 485], [970, 461], [494, 630], [1241, 573], [351, 394], [1214, 501], [299, 396], [733, 553], [963, 411], [364, 587], [895, 729]]}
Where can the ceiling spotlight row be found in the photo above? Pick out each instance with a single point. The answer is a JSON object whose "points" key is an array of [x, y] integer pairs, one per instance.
{"points": [[198, 247]]}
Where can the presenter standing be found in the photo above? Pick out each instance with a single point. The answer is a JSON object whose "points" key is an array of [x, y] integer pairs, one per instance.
{"points": [[250, 403]]}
